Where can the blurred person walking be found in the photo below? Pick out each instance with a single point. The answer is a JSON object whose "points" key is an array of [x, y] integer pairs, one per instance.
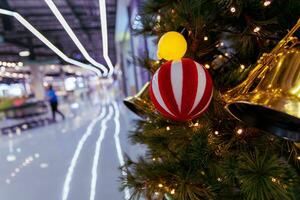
{"points": [[52, 98]]}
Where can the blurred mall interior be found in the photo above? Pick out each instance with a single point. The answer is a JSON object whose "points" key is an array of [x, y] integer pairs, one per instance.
{"points": [[85, 50]]}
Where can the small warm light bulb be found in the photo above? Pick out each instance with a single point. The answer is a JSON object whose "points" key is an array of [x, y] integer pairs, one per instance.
{"points": [[205, 38], [227, 54], [274, 179], [242, 66], [207, 66], [158, 18], [239, 131], [168, 128], [267, 3], [298, 157], [232, 9], [153, 159], [256, 30], [172, 191], [222, 44], [216, 132], [196, 124], [219, 179], [160, 185]]}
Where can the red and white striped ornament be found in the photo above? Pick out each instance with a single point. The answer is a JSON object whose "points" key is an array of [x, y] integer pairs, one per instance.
{"points": [[181, 90]]}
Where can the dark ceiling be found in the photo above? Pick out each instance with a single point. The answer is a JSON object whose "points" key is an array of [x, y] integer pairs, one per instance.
{"points": [[82, 16]]}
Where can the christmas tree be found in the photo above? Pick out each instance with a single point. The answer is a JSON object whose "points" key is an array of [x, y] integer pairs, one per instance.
{"points": [[215, 156]]}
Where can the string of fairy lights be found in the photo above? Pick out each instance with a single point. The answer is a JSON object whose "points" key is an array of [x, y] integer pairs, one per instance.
{"points": [[239, 131], [265, 3], [163, 188], [256, 30]]}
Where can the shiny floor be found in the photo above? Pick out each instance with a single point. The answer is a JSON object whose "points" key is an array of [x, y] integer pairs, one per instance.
{"points": [[75, 159]]}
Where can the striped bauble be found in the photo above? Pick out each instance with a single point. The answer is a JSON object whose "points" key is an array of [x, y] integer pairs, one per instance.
{"points": [[181, 90]]}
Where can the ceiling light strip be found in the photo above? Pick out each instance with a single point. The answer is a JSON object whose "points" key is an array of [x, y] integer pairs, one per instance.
{"points": [[58, 52], [74, 38], [103, 20]]}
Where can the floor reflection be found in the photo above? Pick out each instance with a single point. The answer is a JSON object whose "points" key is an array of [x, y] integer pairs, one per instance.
{"points": [[73, 159]]}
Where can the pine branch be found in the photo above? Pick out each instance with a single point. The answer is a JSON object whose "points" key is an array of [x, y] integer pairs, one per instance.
{"points": [[220, 157]]}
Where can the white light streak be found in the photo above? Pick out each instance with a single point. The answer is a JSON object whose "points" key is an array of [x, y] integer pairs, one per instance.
{"points": [[97, 153], [78, 149], [40, 36], [118, 145], [103, 20], [74, 38]]}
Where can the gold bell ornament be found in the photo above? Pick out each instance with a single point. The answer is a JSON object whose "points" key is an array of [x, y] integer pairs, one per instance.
{"points": [[297, 145], [269, 99], [140, 104]]}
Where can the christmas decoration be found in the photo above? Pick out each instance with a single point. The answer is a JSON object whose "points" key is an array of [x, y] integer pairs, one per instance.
{"points": [[140, 103], [171, 46], [272, 105], [216, 156], [181, 90]]}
